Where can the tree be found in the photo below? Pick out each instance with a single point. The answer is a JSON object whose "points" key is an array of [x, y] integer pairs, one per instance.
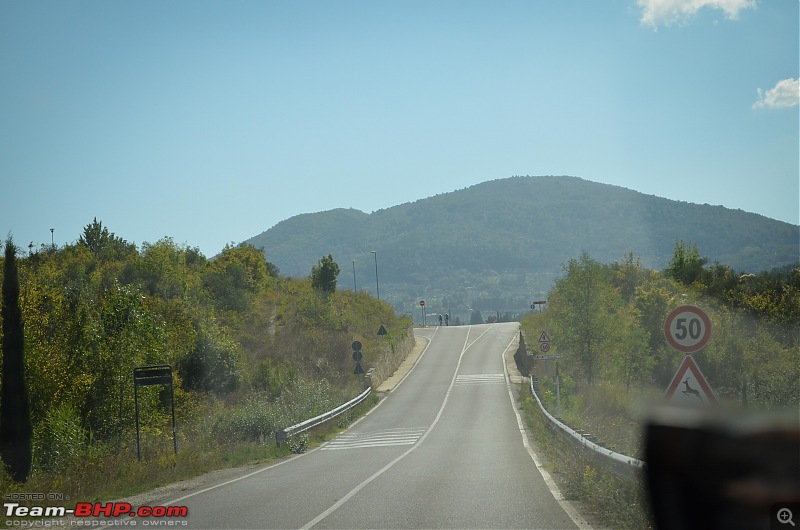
{"points": [[236, 275], [631, 360], [686, 265], [15, 416], [475, 317], [214, 364], [101, 242], [580, 304], [324, 274], [651, 304], [627, 275], [130, 337]]}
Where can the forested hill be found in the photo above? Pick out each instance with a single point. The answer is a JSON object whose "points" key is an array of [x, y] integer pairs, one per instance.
{"points": [[520, 231]]}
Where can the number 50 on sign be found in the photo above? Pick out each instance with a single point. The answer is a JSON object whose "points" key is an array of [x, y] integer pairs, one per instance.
{"points": [[687, 328]]}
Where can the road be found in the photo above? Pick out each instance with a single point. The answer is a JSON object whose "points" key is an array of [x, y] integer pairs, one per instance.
{"points": [[444, 449]]}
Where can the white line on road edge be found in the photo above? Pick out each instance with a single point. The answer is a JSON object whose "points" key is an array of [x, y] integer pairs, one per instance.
{"points": [[385, 468], [576, 517], [237, 479]]}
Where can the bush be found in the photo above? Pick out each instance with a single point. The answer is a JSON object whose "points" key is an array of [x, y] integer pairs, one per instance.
{"points": [[59, 439], [214, 362], [253, 421], [272, 378]]}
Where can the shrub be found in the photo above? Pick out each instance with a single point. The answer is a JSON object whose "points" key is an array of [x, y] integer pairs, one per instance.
{"points": [[59, 439]]}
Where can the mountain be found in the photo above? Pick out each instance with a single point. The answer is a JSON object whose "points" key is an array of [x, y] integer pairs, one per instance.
{"points": [[505, 240]]}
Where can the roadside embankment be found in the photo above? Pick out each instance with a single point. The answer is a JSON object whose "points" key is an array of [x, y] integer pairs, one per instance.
{"points": [[395, 353]]}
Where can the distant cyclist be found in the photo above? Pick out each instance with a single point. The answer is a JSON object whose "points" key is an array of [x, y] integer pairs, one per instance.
{"points": [[446, 319], [440, 320]]}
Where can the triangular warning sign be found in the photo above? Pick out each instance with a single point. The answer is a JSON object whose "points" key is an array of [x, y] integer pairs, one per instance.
{"points": [[689, 387], [543, 337], [382, 331], [358, 370]]}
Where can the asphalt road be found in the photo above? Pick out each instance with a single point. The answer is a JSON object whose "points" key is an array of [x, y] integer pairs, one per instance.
{"points": [[444, 449]]}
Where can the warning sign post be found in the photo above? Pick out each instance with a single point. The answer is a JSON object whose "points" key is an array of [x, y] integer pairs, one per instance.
{"points": [[689, 387]]}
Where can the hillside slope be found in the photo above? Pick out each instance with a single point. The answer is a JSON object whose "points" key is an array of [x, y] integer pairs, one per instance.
{"points": [[513, 235]]}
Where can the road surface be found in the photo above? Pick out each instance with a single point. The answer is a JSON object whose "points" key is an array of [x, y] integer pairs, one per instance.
{"points": [[444, 449]]}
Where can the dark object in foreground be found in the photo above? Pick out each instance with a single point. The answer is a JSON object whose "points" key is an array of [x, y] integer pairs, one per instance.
{"points": [[16, 432], [707, 469]]}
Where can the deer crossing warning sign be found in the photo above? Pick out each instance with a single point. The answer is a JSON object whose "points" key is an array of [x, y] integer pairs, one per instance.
{"points": [[689, 387]]}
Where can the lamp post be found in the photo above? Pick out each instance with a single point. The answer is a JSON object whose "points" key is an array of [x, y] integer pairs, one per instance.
{"points": [[377, 285], [354, 277], [52, 241]]}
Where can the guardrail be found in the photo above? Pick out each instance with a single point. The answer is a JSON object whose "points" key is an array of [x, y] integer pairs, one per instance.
{"points": [[621, 464], [284, 434]]}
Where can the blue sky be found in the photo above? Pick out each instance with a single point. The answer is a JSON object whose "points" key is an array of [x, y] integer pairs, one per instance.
{"points": [[210, 122]]}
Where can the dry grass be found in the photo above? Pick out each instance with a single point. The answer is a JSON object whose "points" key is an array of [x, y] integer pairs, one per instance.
{"points": [[617, 502]]}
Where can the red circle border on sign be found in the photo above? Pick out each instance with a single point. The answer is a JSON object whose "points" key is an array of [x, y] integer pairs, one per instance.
{"points": [[687, 309]]}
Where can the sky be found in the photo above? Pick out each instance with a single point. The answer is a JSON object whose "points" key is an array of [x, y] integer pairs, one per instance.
{"points": [[210, 122]]}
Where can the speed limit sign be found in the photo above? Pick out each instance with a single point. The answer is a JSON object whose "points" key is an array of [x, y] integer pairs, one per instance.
{"points": [[687, 328]]}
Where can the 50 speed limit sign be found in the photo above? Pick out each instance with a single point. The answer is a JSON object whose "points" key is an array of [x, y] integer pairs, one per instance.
{"points": [[687, 328]]}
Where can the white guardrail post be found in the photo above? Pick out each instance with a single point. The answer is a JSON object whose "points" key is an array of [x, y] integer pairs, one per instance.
{"points": [[628, 461], [283, 434]]}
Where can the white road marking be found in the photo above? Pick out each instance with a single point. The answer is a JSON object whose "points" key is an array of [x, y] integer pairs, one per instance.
{"points": [[476, 379], [385, 438]]}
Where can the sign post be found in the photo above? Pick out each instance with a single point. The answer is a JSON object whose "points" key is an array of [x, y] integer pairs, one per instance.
{"points": [[159, 374], [544, 342], [357, 356], [544, 346], [687, 329], [538, 303]]}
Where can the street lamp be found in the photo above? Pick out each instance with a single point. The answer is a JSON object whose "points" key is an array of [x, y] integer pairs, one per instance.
{"points": [[354, 277], [52, 241], [377, 285]]}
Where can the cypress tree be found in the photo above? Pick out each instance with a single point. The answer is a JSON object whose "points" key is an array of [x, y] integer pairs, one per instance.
{"points": [[15, 417]]}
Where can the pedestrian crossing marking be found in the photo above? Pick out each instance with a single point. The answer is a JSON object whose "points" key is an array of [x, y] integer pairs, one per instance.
{"points": [[477, 379], [384, 438]]}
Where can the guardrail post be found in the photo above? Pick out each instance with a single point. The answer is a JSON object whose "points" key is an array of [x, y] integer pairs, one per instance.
{"points": [[280, 436]]}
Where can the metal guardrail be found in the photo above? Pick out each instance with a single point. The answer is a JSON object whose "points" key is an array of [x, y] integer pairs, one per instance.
{"points": [[284, 434], [626, 464]]}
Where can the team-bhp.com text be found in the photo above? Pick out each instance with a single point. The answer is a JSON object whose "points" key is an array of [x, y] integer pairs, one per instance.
{"points": [[161, 515]]}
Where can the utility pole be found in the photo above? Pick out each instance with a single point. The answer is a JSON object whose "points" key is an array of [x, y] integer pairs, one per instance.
{"points": [[377, 285]]}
